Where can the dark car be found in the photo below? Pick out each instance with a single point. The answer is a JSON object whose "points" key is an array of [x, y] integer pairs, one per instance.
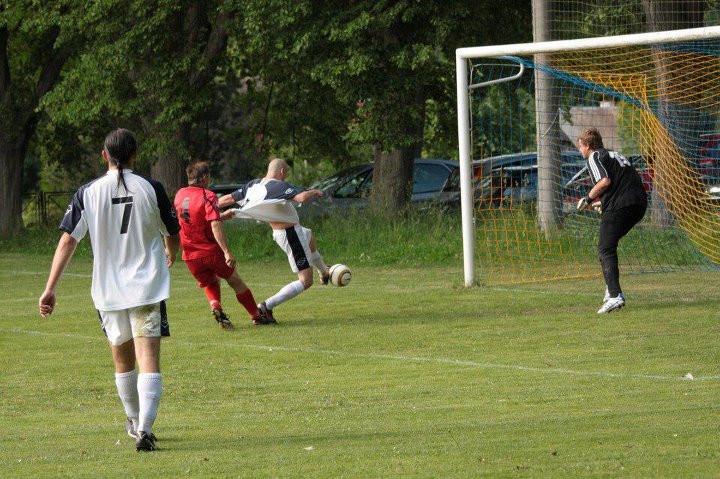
{"points": [[482, 168], [708, 164], [510, 186], [350, 188]]}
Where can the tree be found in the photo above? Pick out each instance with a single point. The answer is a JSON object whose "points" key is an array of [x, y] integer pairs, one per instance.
{"points": [[153, 69], [37, 41], [683, 114], [397, 57], [385, 60]]}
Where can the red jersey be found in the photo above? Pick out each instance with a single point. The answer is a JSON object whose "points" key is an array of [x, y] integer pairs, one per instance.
{"points": [[196, 208]]}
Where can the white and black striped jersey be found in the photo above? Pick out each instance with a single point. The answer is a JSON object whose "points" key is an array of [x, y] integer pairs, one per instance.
{"points": [[126, 229], [267, 201], [626, 186]]}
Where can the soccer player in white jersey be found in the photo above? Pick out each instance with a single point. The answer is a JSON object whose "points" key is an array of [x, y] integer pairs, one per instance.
{"points": [[270, 200], [134, 236]]}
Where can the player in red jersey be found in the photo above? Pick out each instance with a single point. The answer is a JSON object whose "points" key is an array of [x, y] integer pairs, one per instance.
{"points": [[205, 249]]}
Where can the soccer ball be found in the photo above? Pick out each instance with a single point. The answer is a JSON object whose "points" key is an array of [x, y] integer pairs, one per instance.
{"points": [[340, 275]]}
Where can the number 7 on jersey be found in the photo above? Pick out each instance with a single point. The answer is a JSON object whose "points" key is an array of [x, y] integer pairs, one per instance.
{"points": [[127, 201]]}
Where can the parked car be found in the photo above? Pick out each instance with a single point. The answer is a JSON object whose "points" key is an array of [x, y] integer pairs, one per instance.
{"points": [[483, 167], [510, 186], [350, 188], [709, 156], [712, 189]]}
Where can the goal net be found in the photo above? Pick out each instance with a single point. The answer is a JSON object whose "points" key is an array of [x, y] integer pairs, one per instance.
{"points": [[655, 98]]}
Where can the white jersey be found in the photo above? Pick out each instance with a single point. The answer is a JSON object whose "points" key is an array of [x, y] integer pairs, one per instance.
{"points": [[126, 234], [268, 201]]}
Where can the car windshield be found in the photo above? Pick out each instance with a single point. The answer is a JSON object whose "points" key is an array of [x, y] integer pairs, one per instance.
{"points": [[355, 187], [429, 178], [338, 178]]}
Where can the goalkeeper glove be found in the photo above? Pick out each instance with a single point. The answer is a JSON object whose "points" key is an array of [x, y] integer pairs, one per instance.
{"points": [[585, 203], [597, 206]]}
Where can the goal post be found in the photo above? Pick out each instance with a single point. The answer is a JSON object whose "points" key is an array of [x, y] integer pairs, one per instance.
{"points": [[698, 219]]}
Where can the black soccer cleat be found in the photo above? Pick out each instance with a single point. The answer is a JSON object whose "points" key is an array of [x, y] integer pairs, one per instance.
{"points": [[222, 319], [266, 315], [325, 280], [145, 442]]}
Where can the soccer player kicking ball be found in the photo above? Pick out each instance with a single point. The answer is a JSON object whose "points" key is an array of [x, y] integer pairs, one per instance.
{"points": [[205, 249], [127, 216], [622, 201], [270, 200]]}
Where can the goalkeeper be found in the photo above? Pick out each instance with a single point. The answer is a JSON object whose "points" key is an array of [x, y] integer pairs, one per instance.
{"points": [[623, 201]]}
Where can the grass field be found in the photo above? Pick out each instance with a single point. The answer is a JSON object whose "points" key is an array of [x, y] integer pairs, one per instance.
{"points": [[402, 374]]}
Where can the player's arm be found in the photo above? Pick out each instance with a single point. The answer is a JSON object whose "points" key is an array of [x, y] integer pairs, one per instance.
{"points": [[307, 195], [63, 253], [221, 239], [227, 215], [172, 244], [600, 187], [226, 201]]}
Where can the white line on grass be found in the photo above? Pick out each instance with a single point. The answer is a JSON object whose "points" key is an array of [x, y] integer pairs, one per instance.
{"points": [[415, 288], [89, 276], [402, 358]]}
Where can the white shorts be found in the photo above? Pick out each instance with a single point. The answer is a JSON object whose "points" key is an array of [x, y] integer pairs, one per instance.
{"points": [[148, 321], [295, 242]]}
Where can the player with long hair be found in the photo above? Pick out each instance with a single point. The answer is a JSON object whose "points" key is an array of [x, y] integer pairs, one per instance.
{"points": [[134, 236]]}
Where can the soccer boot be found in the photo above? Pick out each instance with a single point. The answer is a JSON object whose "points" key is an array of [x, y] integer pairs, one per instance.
{"points": [[325, 280], [266, 315], [612, 304], [145, 442], [222, 319]]}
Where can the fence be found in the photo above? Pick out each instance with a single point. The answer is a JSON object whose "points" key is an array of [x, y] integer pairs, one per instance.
{"points": [[45, 207]]}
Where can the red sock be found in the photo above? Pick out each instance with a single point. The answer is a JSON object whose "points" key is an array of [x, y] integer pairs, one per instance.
{"points": [[212, 291], [248, 301]]}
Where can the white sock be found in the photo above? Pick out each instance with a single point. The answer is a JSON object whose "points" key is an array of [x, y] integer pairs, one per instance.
{"points": [[289, 291], [318, 262], [149, 387], [127, 387]]}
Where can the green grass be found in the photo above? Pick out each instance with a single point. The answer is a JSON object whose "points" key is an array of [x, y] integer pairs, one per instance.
{"points": [[402, 374]]}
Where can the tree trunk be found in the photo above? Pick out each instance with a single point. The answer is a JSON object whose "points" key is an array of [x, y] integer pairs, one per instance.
{"points": [[393, 172], [547, 126], [392, 180], [169, 170], [685, 116], [12, 154]]}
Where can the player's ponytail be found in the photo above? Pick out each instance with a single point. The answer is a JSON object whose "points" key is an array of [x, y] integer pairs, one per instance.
{"points": [[121, 147]]}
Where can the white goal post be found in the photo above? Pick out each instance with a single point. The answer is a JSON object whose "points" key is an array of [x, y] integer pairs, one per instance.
{"points": [[462, 55]]}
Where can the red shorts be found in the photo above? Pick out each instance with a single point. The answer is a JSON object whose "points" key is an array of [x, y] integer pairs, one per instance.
{"points": [[206, 269]]}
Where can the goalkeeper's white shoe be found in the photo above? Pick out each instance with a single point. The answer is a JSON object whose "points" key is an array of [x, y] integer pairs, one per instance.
{"points": [[612, 304]]}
